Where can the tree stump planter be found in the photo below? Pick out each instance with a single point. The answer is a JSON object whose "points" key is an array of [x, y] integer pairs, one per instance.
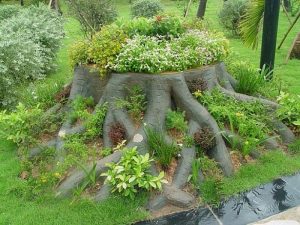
{"points": [[163, 91]]}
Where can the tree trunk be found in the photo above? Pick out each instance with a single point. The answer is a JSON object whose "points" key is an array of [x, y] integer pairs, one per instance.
{"points": [[270, 27], [201, 9], [22, 2]]}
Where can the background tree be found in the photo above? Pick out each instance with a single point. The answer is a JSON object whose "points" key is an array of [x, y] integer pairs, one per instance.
{"points": [[201, 9], [93, 14]]}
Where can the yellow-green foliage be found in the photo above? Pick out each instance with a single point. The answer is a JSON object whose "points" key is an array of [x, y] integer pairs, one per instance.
{"points": [[105, 46], [79, 52], [101, 50]]}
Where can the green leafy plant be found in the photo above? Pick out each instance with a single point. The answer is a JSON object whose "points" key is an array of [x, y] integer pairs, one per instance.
{"points": [[135, 102], [146, 8], [249, 119], [94, 122], [106, 152], [80, 107], [28, 43], [23, 125], [93, 14], [289, 110], [7, 11], [132, 174], [175, 120], [167, 26], [163, 151], [188, 141], [78, 53], [104, 47]]}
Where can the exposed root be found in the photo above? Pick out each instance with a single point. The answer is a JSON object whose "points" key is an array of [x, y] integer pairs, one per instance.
{"points": [[162, 92]]}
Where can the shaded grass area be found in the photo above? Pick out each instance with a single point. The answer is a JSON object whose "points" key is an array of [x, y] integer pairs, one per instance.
{"points": [[16, 209]]}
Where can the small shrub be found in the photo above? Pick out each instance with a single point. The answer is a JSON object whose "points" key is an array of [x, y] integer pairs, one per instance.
{"points": [[21, 126], [175, 120], [132, 174], [249, 79], [28, 43], [248, 119], [135, 102], [93, 14], [117, 133], [8, 11], [205, 138], [105, 46], [146, 8], [167, 26], [232, 13], [80, 107], [78, 53], [94, 122], [289, 110], [198, 84], [163, 151]]}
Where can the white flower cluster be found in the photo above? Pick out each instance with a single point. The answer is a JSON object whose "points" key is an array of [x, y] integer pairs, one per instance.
{"points": [[158, 54]]}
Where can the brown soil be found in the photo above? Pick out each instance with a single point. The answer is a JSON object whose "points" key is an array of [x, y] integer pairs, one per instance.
{"points": [[236, 159], [176, 135], [170, 171], [64, 94]]}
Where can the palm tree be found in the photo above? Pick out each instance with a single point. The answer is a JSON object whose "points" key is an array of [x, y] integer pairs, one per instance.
{"points": [[266, 13]]}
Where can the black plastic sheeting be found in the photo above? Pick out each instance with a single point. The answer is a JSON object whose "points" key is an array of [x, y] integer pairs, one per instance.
{"points": [[248, 207]]}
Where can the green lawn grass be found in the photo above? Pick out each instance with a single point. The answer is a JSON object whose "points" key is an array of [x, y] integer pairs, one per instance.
{"points": [[16, 209]]}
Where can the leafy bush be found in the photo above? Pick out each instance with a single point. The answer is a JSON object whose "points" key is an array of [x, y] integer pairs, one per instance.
{"points": [[132, 173], [21, 126], [289, 110], [175, 120], [168, 26], [94, 122], [93, 14], [8, 11], [163, 151], [105, 45], [135, 102], [80, 107], [232, 13], [28, 43], [249, 119], [78, 53], [146, 8]]}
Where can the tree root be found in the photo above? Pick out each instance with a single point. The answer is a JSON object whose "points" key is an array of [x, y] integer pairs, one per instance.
{"points": [[162, 92]]}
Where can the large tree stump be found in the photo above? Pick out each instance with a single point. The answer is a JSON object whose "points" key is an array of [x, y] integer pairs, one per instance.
{"points": [[163, 91]]}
